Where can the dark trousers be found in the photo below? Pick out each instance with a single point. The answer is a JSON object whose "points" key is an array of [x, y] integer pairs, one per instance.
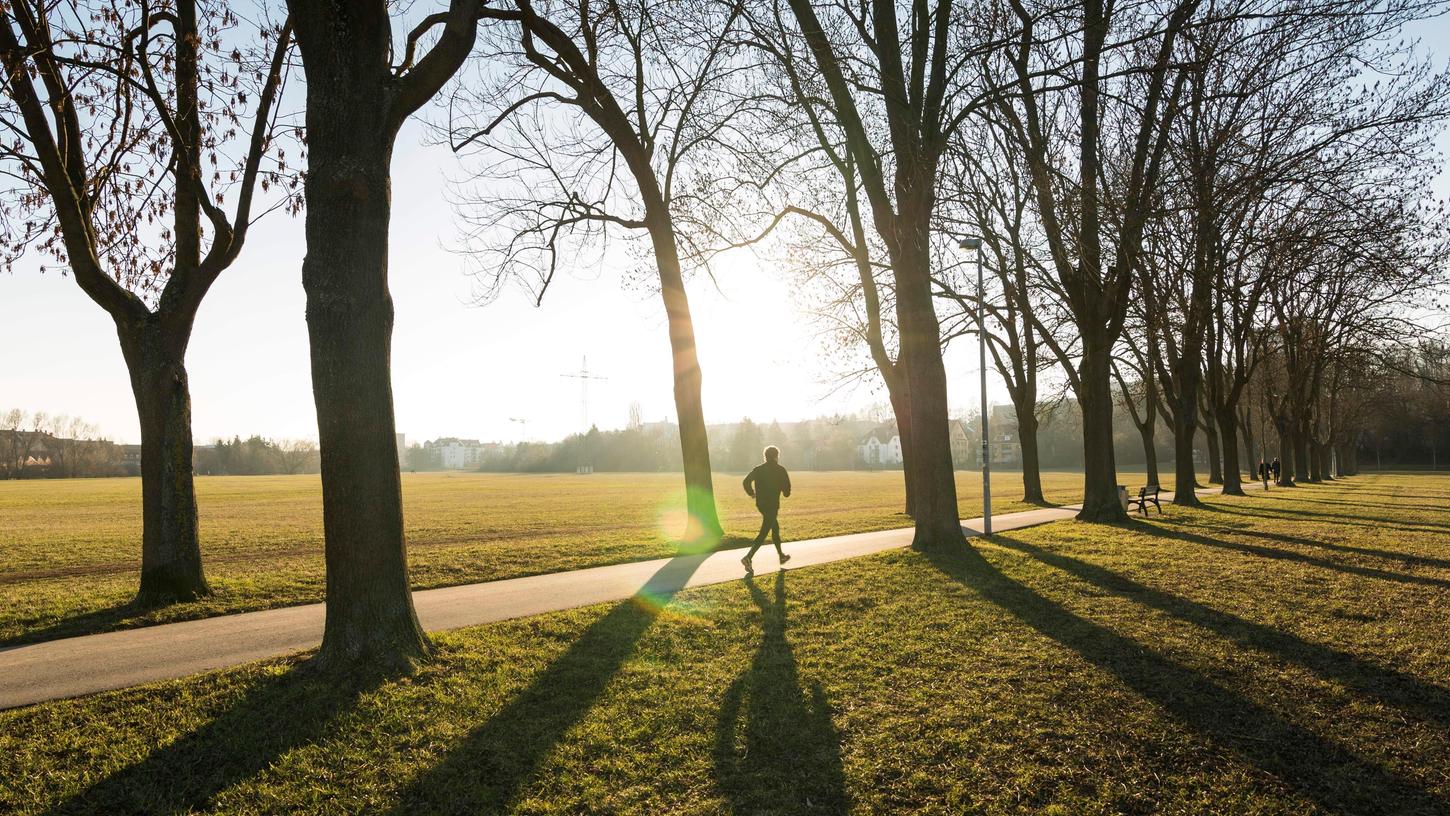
{"points": [[769, 523]]}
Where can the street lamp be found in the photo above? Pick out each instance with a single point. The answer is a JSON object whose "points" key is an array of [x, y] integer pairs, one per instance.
{"points": [[975, 244]]}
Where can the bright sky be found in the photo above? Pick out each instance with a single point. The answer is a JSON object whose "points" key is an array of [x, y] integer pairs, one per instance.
{"points": [[459, 369]]}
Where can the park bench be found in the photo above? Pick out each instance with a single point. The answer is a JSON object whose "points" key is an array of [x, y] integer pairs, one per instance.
{"points": [[1146, 495]]}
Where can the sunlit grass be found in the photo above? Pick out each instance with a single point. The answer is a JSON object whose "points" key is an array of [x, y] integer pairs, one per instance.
{"points": [[70, 550], [1279, 654]]}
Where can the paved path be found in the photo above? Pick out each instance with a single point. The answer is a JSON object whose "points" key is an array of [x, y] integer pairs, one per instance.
{"points": [[85, 665]]}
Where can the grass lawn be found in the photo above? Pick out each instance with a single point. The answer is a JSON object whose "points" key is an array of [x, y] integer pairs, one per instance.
{"points": [[70, 550], [1280, 653]]}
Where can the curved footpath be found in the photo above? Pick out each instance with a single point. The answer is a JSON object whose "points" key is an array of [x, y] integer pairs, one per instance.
{"points": [[72, 667]]}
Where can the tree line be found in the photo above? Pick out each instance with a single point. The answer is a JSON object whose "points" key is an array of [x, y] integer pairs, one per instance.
{"points": [[1188, 209]]}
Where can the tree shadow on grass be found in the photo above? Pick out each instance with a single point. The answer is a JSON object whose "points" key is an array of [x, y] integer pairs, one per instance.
{"points": [[1378, 522], [111, 618], [1319, 768], [1169, 531], [1389, 555], [1396, 688], [785, 757], [272, 716], [489, 767]]}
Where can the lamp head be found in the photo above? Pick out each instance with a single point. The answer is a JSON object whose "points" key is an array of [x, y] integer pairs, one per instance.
{"points": [[971, 243]]}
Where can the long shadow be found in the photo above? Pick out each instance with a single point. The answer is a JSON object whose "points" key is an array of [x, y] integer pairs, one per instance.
{"points": [[1168, 531], [274, 715], [1389, 555], [489, 767], [1321, 769], [1316, 515], [788, 759], [1427, 700], [111, 618]]}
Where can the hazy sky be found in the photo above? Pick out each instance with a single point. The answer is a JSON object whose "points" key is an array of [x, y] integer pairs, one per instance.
{"points": [[459, 369]]}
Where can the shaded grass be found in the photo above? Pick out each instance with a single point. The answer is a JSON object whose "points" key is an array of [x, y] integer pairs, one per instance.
{"points": [[1178, 665], [69, 550]]}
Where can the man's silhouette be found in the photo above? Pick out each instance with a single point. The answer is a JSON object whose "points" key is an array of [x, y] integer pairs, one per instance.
{"points": [[766, 484]]}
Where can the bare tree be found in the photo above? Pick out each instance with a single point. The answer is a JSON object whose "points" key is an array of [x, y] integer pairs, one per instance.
{"points": [[1114, 96], [592, 118], [357, 99], [121, 123]]}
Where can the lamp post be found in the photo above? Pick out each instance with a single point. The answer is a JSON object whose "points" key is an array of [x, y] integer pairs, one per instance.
{"points": [[975, 244]]}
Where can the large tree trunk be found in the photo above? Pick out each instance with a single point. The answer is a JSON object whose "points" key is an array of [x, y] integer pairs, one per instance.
{"points": [[1286, 455], [703, 525], [933, 478], [1228, 426], [171, 567], [370, 616], [1100, 501], [1031, 468]]}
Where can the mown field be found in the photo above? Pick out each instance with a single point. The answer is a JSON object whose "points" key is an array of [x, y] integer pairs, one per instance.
{"points": [[70, 550], [1272, 654]]}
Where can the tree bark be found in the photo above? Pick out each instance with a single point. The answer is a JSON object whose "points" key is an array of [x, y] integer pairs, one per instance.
{"points": [[703, 525], [1185, 428], [1031, 467], [901, 407], [1100, 475], [933, 478], [1301, 454], [350, 129], [1228, 427], [1215, 455], [171, 568], [1150, 452]]}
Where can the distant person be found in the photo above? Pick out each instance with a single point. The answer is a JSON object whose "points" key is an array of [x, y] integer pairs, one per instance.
{"points": [[1263, 471], [766, 484], [1276, 467]]}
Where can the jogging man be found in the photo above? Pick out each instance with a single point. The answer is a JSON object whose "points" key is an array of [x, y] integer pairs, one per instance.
{"points": [[766, 484]]}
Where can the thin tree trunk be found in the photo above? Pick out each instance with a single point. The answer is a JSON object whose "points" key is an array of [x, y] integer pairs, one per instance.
{"points": [[1215, 454], [1150, 452], [901, 407], [703, 525], [1301, 454], [370, 617], [1031, 466], [1185, 428], [171, 568], [1100, 475]]}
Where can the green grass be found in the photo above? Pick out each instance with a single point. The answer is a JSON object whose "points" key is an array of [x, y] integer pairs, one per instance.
{"points": [[70, 550], [1273, 654]]}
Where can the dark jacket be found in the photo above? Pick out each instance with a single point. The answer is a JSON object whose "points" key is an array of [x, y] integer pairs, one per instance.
{"points": [[767, 483]]}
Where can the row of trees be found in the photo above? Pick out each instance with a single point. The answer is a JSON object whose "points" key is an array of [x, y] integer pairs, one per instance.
{"points": [[39, 444], [1186, 197]]}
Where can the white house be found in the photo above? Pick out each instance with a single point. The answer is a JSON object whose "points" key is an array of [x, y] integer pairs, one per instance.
{"points": [[458, 454], [882, 446]]}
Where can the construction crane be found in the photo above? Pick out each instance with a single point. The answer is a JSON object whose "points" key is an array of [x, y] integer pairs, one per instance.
{"points": [[583, 375]]}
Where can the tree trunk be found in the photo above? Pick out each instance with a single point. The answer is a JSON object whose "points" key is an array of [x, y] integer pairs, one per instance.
{"points": [[933, 478], [171, 567], [1286, 456], [1301, 454], [1185, 427], [1150, 451], [1232, 473], [703, 525], [370, 616], [1215, 455], [901, 407], [1100, 501], [1031, 468]]}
